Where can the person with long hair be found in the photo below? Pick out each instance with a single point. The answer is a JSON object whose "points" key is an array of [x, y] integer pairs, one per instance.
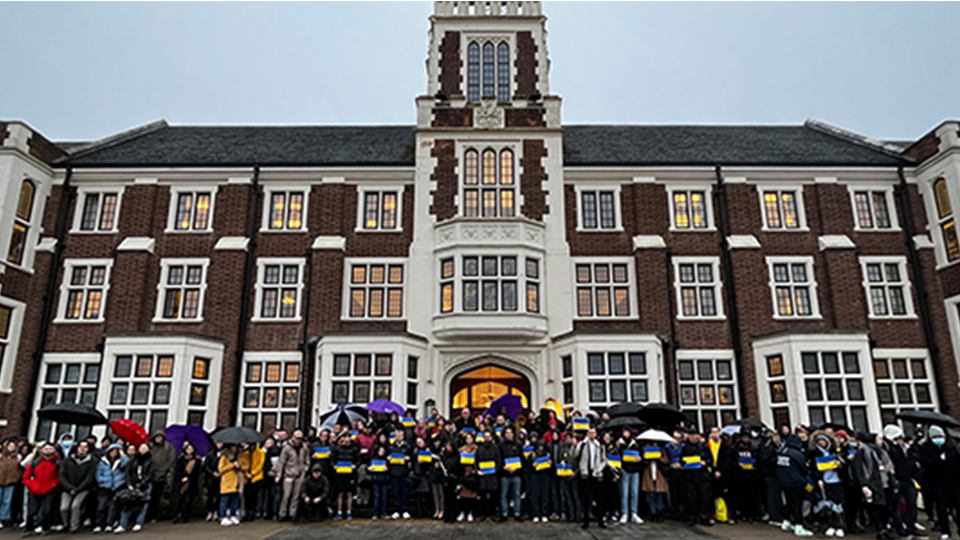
{"points": [[437, 473], [186, 481]]}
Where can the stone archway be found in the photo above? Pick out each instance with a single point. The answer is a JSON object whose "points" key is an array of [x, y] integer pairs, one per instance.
{"points": [[476, 382]]}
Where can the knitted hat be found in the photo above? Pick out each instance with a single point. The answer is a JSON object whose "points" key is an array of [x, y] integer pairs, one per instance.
{"points": [[935, 431], [892, 432]]}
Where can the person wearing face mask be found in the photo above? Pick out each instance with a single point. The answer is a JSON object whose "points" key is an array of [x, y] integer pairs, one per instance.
{"points": [[940, 462]]}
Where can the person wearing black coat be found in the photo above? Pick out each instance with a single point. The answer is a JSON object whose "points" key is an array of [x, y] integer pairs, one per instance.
{"points": [[138, 481], [792, 474], [940, 461], [315, 494], [745, 481], [421, 468], [399, 459], [186, 481], [723, 470], [78, 476], [905, 460], [696, 464], [766, 456], [211, 482], [539, 483], [510, 480], [450, 465], [489, 482], [344, 483], [436, 477]]}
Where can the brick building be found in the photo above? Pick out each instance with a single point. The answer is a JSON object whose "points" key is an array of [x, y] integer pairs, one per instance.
{"points": [[258, 275]]}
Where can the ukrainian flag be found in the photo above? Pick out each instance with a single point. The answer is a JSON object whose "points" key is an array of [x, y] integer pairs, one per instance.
{"points": [[581, 424], [344, 467], [488, 467], [392, 438], [468, 430], [321, 452], [564, 469], [692, 462], [480, 438], [397, 458], [631, 456], [747, 463], [652, 452], [541, 463], [614, 461], [512, 464], [827, 463], [408, 422], [424, 456], [353, 434], [527, 450], [377, 465], [467, 458]]}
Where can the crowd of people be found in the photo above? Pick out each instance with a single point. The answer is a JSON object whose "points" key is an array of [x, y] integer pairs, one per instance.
{"points": [[494, 468]]}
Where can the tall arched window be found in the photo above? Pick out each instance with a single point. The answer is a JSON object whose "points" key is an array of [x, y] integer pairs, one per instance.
{"points": [[488, 183], [489, 84], [948, 229], [473, 72], [503, 73], [21, 222]]}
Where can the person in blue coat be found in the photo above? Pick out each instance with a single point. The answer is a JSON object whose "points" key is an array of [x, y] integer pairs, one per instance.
{"points": [[110, 477], [792, 474]]}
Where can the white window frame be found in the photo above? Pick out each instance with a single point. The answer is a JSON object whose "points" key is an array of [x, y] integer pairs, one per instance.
{"points": [[480, 147], [68, 266], [887, 191], [175, 192], [165, 265], [717, 287], [481, 38], [904, 282], [579, 189], [631, 288], [707, 204], [888, 355], [262, 263], [608, 378], [372, 378], [713, 356], [386, 285], [263, 358], [99, 190], [63, 359], [863, 376], [8, 359], [268, 193], [797, 189], [812, 284], [362, 192]]}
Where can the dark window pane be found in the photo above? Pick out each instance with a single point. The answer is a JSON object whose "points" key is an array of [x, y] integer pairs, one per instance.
{"points": [[830, 363], [638, 364], [810, 364], [851, 363], [638, 391], [618, 391], [855, 390], [705, 370], [567, 363], [616, 363], [834, 390], [685, 370], [598, 391], [595, 364], [814, 390]]}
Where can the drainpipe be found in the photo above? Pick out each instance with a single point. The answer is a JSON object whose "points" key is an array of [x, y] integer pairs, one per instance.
{"points": [[60, 233], [244, 323], [308, 346], [670, 345], [726, 260], [913, 256]]}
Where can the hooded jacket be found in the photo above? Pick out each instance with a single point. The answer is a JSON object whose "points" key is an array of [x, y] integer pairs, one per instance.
{"points": [[873, 469], [792, 464], [10, 470], [42, 475], [138, 471], [163, 456], [294, 461], [111, 475], [78, 474]]}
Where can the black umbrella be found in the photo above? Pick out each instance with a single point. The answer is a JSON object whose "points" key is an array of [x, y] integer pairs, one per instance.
{"points": [[72, 413], [929, 417], [624, 409], [661, 416], [751, 423], [237, 435], [343, 415], [623, 422]]}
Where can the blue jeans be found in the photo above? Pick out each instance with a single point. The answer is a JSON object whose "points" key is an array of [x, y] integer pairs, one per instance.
{"points": [[629, 491], [508, 485], [229, 502], [656, 502], [380, 499], [6, 498], [141, 516]]}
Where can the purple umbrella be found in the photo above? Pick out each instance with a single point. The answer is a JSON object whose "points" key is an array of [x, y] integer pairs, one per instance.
{"points": [[385, 406], [510, 403], [195, 434]]}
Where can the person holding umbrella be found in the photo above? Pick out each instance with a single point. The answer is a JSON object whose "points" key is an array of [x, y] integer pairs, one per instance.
{"points": [[290, 471]]}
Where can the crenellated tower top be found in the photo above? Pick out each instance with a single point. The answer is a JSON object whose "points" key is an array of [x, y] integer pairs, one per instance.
{"points": [[486, 8]]}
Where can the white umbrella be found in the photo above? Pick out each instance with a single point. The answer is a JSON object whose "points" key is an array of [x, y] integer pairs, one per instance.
{"points": [[655, 435], [732, 429]]}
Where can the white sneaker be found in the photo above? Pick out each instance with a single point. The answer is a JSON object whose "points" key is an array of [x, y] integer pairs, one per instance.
{"points": [[136, 528], [87, 522], [637, 519], [406, 515], [839, 533], [545, 520], [108, 529], [944, 537], [536, 520], [396, 515], [97, 530], [830, 532], [800, 531], [38, 530], [623, 519], [470, 517], [785, 526], [460, 517], [235, 520], [225, 522], [119, 530], [56, 528]]}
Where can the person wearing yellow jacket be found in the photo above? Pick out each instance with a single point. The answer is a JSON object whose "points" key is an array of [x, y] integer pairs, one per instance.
{"points": [[251, 462], [231, 480]]}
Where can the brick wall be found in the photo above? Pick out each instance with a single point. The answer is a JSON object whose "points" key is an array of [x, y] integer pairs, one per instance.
{"points": [[444, 174], [450, 64], [532, 179], [526, 65]]}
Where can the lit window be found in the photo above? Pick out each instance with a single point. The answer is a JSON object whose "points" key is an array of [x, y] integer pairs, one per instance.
{"points": [[279, 286], [376, 290], [182, 286], [380, 210], [793, 286], [270, 402], [99, 212], [708, 396], [192, 211], [886, 285], [697, 283], [872, 210], [84, 290], [21, 222], [6, 319], [447, 274], [603, 289], [598, 210], [690, 210], [945, 219], [780, 209], [488, 183], [286, 211]]}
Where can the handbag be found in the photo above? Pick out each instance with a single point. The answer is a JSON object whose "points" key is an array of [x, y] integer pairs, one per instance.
{"points": [[131, 497]]}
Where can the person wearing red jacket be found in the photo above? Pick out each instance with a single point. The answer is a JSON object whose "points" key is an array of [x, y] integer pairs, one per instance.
{"points": [[41, 479]]}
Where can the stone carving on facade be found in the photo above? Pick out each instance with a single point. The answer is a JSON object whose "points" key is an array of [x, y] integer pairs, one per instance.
{"points": [[490, 233], [529, 361], [488, 115]]}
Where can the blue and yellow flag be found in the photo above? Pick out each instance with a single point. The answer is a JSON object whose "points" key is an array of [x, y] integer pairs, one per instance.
{"points": [[512, 464], [408, 422], [541, 463], [392, 438], [581, 424], [498, 430], [344, 467], [424, 456], [432, 422], [692, 462], [377, 465], [488, 467], [527, 450], [827, 463], [397, 458], [321, 452], [353, 434], [614, 461], [480, 438], [631, 456], [564, 469], [652, 452], [467, 458], [747, 463], [468, 431]]}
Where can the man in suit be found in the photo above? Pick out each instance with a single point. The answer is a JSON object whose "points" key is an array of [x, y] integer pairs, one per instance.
{"points": [[590, 463]]}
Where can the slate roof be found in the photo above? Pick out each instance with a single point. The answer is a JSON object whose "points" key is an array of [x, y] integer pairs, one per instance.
{"points": [[584, 145]]}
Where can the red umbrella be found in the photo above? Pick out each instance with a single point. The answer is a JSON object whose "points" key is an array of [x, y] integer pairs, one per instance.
{"points": [[129, 430]]}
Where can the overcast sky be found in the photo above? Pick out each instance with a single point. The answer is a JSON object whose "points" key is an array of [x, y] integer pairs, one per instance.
{"points": [[86, 70]]}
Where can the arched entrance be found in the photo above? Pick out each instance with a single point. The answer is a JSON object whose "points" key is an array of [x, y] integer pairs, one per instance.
{"points": [[479, 386]]}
